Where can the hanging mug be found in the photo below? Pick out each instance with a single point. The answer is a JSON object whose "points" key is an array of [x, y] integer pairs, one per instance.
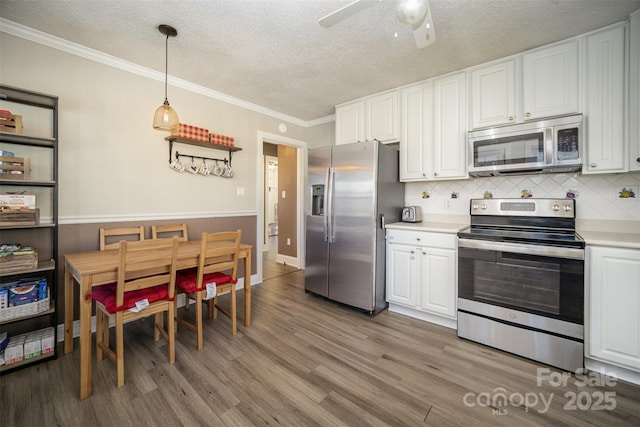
{"points": [[217, 169], [177, 165], [228, 172], [204, 169], [193, 168]]}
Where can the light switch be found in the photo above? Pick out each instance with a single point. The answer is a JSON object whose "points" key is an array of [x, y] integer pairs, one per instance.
{"points": [[240, 191], [284, 194]]}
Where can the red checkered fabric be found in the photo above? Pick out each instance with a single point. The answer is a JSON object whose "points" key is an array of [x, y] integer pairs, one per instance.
{"points": [[215, 138], [191, 132]]}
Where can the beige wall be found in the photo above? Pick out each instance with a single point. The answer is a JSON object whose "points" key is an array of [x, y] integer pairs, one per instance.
{"points": [[113, 166], [287, 207]]}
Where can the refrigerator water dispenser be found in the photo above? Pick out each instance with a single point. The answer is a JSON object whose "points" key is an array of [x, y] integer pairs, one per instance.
{"points": [[317, 199]]}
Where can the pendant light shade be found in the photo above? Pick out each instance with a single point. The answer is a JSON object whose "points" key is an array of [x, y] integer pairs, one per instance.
{"points": [[166, 117]]}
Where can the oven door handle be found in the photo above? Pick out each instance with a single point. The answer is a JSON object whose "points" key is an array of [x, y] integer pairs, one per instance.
{"points": [[518, 248]]}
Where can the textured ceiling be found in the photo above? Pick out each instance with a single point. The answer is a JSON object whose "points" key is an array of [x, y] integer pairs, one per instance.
{"points": [[273, 53]]}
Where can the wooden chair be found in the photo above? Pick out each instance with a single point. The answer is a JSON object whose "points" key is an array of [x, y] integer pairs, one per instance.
{"points": [[147, 271], [168, 231], [136, 232], [215, 259]]}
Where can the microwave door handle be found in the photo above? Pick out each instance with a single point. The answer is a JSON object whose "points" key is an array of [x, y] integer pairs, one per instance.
{"points": [[550, 149]]}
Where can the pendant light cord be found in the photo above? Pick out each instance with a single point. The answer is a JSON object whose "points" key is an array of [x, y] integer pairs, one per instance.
{"points": [[166, 68]]}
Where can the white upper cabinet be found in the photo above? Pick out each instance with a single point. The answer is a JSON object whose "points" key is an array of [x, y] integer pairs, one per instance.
{"points": [[415, 112], [634, 98], [604, 102], [493, 95], [433, 129], [366, 119], [350, 122], [382, 117], [449, 127], [550, 81]]}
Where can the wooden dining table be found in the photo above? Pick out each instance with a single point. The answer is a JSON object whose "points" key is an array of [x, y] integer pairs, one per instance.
{"points": [[89, 269]]}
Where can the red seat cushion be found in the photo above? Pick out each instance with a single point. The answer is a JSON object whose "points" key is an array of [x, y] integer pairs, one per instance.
{"points": [[187, 280], [106, 295]]}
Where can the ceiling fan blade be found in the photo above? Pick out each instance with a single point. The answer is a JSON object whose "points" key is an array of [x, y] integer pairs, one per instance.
{"points": [[345, 12], [424, 33]]}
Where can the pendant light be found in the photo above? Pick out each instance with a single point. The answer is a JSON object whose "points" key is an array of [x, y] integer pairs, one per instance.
{"points": [[166, 117]]}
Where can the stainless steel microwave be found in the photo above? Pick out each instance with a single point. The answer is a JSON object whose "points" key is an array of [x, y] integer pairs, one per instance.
{"points": [[551, 145]]}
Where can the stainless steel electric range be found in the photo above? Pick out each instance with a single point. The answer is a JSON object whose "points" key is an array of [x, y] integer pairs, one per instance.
{"points": [[521, 279]]}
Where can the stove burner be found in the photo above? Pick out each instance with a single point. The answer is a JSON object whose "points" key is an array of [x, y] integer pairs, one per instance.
{"points": [[532, 237], [548, 222]]}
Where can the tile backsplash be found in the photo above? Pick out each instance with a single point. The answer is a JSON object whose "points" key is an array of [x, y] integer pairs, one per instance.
{"points": [[611, 197]]}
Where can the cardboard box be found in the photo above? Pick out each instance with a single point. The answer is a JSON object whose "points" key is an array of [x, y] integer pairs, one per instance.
{"points": [[32, 346], [191, 132], [26, 292], [15, 350], [18, 201], [47, 341], [227, 141]]}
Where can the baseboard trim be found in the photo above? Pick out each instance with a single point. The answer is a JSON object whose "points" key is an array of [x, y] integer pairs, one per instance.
{"points": [[287, 260]]}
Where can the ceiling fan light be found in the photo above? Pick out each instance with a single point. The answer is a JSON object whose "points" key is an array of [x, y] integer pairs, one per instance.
{"points": [[412, 12]]}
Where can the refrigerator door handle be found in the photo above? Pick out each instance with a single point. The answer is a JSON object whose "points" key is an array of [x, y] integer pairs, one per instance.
{"points": [[329, 212], [382, 221], [327, 206]]}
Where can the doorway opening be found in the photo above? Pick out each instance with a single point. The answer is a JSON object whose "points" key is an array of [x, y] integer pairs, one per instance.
{"points": [[281, 223]]}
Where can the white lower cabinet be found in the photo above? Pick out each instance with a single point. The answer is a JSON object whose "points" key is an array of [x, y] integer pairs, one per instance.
{"points": [[422, 275], [614, 307]]}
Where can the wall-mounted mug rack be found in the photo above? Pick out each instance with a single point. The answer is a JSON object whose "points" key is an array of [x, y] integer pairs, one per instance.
{"points": [[172, 139]]}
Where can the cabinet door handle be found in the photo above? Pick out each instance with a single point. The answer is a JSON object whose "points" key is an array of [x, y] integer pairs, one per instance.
{"points": [[510, 118], [413, 252], [418, 239], [435, 174], [424, 174], [638, 160], [594, 165], [528, 115]]}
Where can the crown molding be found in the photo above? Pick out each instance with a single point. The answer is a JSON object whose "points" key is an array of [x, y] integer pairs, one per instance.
{"points": [[27, 33]]}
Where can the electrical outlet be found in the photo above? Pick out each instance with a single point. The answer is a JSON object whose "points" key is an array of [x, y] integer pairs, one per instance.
{"points": [[288, 241], [239, 191], [284, 194]]}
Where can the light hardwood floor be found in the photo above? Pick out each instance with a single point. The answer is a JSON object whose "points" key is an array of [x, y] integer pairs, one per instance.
{"points": [[306, 361]]}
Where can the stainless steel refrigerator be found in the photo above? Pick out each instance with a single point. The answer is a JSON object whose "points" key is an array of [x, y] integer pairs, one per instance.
{"points": [[353, 189]]}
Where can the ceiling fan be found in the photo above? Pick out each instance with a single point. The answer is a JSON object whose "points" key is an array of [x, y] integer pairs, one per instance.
{"points": [[415, 13]]}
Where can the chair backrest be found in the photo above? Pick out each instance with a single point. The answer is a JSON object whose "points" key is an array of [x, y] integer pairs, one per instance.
{"points": [[219, 252], [168, 231], [147, 263], [133, 233]]}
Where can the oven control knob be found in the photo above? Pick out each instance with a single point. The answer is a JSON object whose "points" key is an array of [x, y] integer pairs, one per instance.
{"points": [[567, 208], [474, 206], [555, 208], [483, 206]]}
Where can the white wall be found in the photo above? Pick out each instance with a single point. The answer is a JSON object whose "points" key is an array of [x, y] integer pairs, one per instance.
{"points": [[113, 164]]}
